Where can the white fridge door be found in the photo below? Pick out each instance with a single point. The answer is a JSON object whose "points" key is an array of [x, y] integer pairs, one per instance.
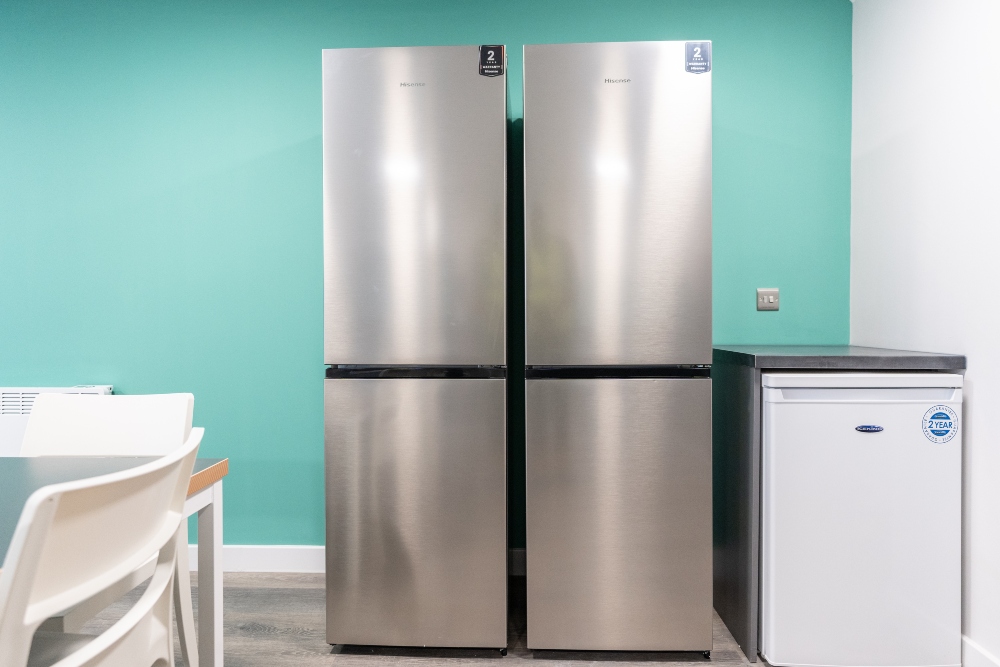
{"points": [[861, 512]]}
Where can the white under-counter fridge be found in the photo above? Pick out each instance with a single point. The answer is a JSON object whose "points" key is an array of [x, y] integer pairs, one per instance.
{"points": [[861, 519]]}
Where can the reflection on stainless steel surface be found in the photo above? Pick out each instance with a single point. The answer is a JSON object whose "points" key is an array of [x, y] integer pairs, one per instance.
{"points": [[416, 512], [414, 221], [618, 205], [619, 498]]}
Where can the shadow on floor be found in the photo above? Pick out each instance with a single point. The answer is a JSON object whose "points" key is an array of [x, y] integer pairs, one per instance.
{"points": [[279, 620], [417, 652], [621, 656]]}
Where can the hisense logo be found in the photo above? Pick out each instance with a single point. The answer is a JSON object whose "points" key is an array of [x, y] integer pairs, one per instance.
{"points": [[407, 84], [617, 80]]}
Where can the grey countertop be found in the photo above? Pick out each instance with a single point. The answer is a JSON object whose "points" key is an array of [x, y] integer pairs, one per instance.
{"points": [[835, 357]]}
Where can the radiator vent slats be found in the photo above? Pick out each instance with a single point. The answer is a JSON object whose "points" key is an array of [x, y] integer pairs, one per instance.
{"points": [[17, 403], [19, 400]]}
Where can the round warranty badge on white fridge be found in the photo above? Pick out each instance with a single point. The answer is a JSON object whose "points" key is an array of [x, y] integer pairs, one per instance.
{"points": [[940, 424]]}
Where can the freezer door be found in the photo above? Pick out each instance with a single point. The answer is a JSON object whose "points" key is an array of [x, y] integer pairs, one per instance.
{"points": [[619, 506], [618, 205], [416, 512], [414, 187]]}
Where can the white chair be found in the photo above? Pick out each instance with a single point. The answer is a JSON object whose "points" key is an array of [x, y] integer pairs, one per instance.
{"points": [[77, 538], [109, 425]]}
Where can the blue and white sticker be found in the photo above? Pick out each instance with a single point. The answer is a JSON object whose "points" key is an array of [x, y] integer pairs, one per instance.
{"points": [[940, 424]]}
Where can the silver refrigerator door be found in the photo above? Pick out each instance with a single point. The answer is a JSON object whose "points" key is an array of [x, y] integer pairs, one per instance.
{"points": [[619, 500], [618, 205], [416, 512], [414, 187]]}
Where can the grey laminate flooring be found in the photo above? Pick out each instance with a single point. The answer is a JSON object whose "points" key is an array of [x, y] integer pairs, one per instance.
{"points": [[277, 620]]}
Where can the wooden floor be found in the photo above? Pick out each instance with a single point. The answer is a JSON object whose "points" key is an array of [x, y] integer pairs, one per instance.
{"points": [[277, 620]]}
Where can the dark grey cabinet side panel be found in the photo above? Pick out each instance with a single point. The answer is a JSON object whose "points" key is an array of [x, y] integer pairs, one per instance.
{"points": [[619, 514], [736, 500], [416, 512]]}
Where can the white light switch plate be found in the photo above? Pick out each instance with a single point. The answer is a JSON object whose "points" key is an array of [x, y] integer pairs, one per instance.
{"points": [[767, 298]]}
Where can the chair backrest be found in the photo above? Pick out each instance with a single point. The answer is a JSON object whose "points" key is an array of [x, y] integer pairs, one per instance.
{"points": [[94, 425], [76, 539]]}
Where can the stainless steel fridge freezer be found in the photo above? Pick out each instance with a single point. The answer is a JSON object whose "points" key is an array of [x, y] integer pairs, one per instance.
{"points": [[414, 195], [618, 240]]}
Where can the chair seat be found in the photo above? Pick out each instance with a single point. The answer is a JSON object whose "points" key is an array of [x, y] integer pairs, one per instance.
{"points": [[48, 648]]}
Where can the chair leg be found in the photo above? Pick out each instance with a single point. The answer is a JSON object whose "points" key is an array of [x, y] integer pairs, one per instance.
{"points": [[182, 599]]}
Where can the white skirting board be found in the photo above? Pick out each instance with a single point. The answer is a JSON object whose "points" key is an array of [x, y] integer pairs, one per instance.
{"points": [[267, 558], [302, 558], [974, 655]]}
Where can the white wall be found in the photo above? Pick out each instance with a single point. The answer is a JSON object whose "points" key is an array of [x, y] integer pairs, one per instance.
{"points": [[925, 235]]}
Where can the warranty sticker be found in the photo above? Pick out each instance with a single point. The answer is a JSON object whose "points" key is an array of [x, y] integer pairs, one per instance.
{"points": [[491, 60], [940, 424], [698, 57]]}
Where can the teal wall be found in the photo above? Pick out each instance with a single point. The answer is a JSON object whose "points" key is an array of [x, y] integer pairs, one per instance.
{"points": [[160, 197]]}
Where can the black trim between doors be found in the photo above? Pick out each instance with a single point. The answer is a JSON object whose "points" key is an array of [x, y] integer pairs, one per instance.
{"points": [[587, 372], [448, 372]]}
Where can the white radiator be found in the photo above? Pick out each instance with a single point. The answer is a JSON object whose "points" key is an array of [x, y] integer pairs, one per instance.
{"points": [[15, 406]]}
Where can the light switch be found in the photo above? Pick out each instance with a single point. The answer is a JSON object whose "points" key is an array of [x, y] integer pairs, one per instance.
{"points": [[767, 298]]}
